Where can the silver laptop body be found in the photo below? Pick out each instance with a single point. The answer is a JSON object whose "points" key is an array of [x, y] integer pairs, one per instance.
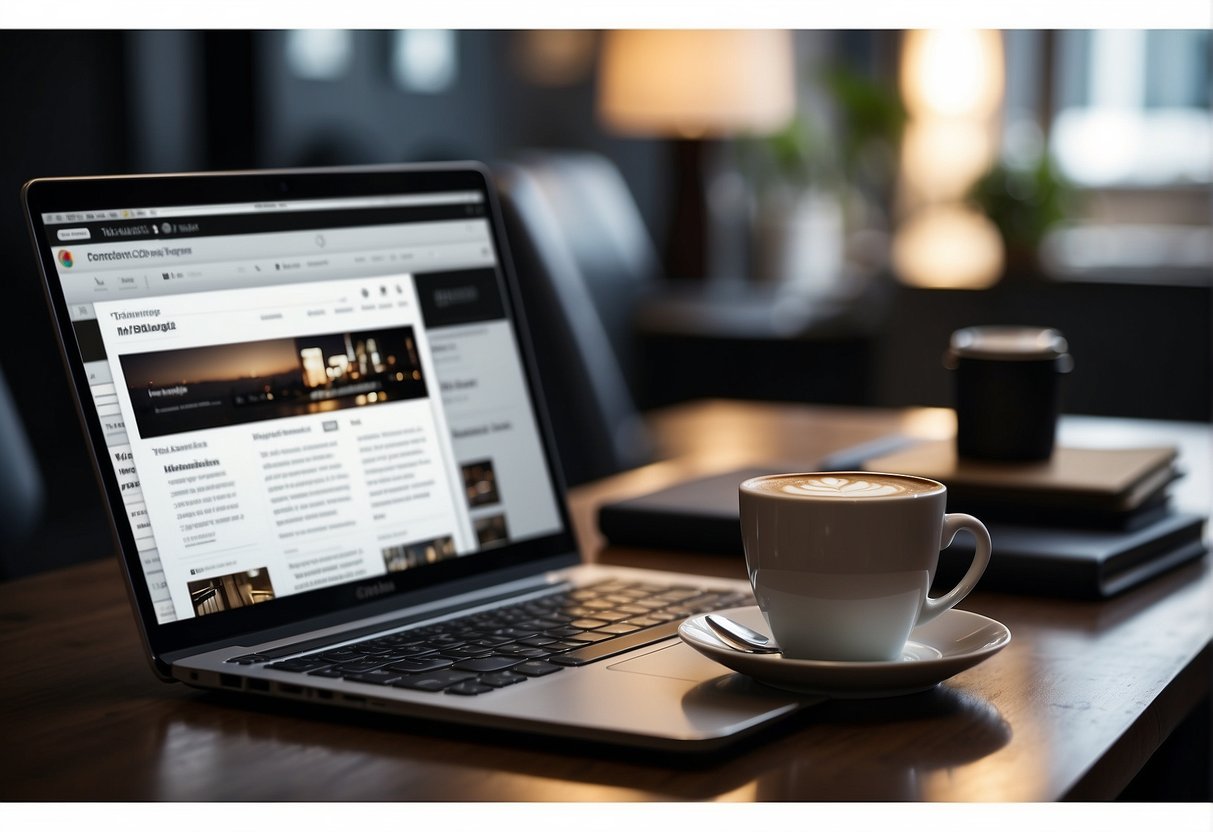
{"points": [[318, 430]]}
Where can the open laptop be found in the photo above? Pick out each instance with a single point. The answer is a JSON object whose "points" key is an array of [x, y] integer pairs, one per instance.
{"points": [[320, 436]]}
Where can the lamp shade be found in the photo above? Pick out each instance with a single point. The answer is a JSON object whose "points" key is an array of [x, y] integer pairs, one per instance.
{"points": [[695, 83]]}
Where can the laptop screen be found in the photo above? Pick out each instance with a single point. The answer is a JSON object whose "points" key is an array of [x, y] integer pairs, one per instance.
{"points": [[299, 394]]}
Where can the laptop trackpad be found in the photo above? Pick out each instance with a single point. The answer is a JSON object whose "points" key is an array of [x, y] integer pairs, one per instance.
{"points": [[677, 661]]}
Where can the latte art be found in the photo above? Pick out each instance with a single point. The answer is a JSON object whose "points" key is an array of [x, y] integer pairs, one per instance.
{"points": [[847, 485], [843, 487]]}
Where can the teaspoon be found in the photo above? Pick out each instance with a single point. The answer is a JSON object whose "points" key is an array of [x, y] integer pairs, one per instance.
{"points": [[740, 636]]}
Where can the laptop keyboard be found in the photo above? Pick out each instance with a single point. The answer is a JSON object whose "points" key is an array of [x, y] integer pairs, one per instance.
{"points": [[508, 645]]}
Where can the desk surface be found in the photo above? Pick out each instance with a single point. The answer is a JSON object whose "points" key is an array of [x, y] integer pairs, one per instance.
{"points": [[1071, 709]]}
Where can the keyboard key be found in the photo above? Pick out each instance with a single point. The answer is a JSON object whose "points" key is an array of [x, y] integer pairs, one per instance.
{"points": [[562, 632], [467, 651], [619, 629], [599, 604], [502, 679], [436, 681], [524, 652], [488, 664], [469, 688], [536, 668], [374, 677], [537, 641], [610, 616], [650, 603], [365, 666], [615, 646], [589, 637], [422, 665], [588, 623]]}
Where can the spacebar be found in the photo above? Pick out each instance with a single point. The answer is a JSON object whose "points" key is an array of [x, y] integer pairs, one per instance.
{"points": [[615, 646]]}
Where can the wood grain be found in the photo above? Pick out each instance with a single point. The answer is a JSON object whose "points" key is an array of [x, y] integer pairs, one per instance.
{"points": [[1071, 709]]}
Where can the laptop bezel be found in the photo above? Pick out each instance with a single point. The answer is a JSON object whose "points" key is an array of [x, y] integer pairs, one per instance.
{"points": [[348, 601]]}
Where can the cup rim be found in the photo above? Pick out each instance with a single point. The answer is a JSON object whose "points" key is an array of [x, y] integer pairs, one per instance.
{"points": [[940, 489]]}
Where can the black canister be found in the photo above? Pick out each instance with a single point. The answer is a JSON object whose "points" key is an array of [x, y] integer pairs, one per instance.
{"points": [[1007, 385]]}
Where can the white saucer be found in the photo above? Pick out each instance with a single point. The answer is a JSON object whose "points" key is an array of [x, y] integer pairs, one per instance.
{"points": [[937, 650]]}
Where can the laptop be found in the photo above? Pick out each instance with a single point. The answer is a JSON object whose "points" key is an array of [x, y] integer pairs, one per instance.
{"points": [[320, 436]]}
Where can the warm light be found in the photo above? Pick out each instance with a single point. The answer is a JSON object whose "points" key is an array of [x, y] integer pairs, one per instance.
{"points": [[696, 83], [948, 247], [942, 158], [952, 81], [952, 72]]}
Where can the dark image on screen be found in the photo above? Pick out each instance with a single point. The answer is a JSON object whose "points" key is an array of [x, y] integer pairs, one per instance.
{"points": [[227, 592], [205, 387], [407, 555]]}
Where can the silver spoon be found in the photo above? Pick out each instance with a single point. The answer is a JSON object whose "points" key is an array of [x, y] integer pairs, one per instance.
{"points": [[740, 636]]}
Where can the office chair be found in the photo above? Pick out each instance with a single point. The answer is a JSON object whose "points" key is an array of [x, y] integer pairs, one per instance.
{"points": [[582, 258], [21, 489]]}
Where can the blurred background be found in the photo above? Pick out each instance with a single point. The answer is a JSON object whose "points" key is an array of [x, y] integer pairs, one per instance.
{"points": [[781, 215]]}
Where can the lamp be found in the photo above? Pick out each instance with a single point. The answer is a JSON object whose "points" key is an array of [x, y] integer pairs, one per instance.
{"points": [[695, 86], [952, 81]]}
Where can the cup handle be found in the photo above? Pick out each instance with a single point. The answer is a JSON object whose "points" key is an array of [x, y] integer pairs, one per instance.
{"points": [[953, 523]]}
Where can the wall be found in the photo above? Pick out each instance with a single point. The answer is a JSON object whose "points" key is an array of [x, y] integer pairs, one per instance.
{"points": [[1139, 350]]}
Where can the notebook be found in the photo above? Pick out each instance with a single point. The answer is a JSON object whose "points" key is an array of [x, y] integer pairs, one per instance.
{"points": [[702, 515], [320, 436], [1094, 480]]}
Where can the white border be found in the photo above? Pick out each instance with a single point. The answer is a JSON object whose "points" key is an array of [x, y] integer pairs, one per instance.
{"points": [[609, 817], [521, 14]]}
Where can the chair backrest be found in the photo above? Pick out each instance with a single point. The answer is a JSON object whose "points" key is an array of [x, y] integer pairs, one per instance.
{"points": [[21, 490], [583, 258]]}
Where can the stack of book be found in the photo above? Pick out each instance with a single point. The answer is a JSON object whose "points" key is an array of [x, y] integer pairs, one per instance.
{"points": [[1087, 523]]}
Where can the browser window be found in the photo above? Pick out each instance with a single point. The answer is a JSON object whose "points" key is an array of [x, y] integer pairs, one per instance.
{"points": [[299, 394]]}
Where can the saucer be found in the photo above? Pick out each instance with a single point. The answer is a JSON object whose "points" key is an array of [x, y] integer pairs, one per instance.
{"points": [[954, 641]]}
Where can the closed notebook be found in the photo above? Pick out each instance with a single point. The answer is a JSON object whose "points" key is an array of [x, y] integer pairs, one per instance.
{"points": [[1087, 479], [701, 515]]}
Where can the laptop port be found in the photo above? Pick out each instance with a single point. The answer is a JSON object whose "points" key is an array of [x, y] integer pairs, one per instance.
{"points": [[259, 685], [229, 681], [295, 690]]}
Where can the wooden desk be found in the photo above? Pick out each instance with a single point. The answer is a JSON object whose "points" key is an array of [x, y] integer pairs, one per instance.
{"points": [[1073, 708]]}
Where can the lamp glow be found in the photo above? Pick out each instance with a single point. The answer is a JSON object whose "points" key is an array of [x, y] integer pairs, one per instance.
{"points": [[948, 247], [696, 84], [953, 72]]}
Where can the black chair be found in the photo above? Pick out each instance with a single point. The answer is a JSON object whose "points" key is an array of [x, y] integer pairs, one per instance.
{"points": [[21, 489], [583, 260]]}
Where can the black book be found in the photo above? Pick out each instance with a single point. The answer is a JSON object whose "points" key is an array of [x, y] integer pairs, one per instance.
{"points": [[701, 515]]}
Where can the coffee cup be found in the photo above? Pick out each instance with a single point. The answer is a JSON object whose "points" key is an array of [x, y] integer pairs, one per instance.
{"points": [[1008, 390], [842, 562]]}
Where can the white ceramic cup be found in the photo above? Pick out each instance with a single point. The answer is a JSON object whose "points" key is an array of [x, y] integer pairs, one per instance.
{"points": [[841, 562]]}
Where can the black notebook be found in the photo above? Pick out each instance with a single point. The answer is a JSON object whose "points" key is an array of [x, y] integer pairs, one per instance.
{"points": [[701, 515]]}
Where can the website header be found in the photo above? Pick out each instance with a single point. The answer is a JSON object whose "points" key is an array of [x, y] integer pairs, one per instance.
{"points": [[270, 206]]}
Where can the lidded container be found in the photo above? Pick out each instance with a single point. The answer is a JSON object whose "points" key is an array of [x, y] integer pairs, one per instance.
{"points": [[1007, 390]]}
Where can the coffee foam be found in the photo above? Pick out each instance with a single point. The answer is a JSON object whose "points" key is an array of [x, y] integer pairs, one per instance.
{"points": [[842, 485]]}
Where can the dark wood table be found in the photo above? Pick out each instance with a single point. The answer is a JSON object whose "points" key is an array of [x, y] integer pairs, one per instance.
{"points": [[1072, 709]]}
